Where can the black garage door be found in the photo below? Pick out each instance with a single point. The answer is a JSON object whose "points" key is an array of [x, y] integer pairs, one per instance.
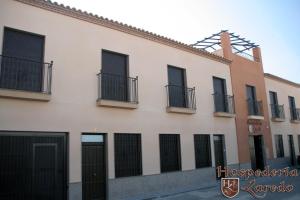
{"points": [[33, 166]]}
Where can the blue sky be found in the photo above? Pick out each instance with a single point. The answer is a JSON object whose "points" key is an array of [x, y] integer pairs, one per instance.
{"points": [[272, 24]]}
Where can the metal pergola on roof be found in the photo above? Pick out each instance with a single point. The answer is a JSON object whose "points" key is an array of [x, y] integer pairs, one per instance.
{"points": [[213, 43]]}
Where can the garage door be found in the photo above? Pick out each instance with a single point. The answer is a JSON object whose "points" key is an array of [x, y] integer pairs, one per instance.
{"points": [[33, 166]]}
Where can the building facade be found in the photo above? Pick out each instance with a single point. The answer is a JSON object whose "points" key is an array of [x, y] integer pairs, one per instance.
{"points": [[95, 109], [283, 99]]}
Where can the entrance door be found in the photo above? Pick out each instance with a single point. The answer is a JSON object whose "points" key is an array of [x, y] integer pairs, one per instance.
{"points": [[220, 152], [21, 65], [33, 166], [114, 76], [292, 150], [177, 89], [93, 167], [257, 152], [220, 95]]}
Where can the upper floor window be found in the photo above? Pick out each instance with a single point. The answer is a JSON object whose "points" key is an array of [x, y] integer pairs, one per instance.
{"points": [[115, 84], [223, 102], [178, 93], [22, 66], [276, 109], [295, 112], [254, 106]]}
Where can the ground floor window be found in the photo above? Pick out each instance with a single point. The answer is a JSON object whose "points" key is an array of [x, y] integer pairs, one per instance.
{"points": [[202, 150], [279, 146], [170, 154], [128, 155]]}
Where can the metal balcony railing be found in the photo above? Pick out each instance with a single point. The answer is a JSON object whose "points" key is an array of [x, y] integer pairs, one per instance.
{"points": [[224, 103], [24, 74], [178, 96], [255, 107], [295, 114], [117, 88], [277, 111]]}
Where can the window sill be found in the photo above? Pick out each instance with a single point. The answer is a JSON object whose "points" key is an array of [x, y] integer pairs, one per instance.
{"points": [[256, 117], [275, 119], [295, 121], [25, 95], [116, 104], [224, 114], [180, 110]]}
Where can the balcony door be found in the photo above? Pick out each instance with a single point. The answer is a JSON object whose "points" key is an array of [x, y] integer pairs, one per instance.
{"points": [[220, 93], [274, 104], [177, 88], [251, 97], [21, 63], [292, 107], [114, 76]]}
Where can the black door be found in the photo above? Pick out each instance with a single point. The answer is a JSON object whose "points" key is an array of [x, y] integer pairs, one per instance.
{"points": [[177, 89], [220, 95], [292, 107], [220, 152], [114, 76], [33, 166], [21, 65], [292, 150], [93, 167], [274, 104], [256, 145], [251, 97]]}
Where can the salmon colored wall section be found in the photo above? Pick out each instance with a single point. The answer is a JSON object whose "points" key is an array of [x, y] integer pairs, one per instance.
{"points": [[247, 72]]}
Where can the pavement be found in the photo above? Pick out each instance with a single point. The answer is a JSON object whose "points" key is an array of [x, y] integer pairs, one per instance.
{"points": [[214, 192]]}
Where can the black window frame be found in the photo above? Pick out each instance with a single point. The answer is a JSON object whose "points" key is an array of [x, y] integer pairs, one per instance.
{"points": [[121, 163], [198, 153], [163, 165]]}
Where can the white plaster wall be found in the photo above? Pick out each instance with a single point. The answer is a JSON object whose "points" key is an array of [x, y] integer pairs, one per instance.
{"points": [[75, 47], [284, 128]]}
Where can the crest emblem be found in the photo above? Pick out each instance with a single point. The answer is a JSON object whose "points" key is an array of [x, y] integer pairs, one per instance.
{"points": [[230, 187]]}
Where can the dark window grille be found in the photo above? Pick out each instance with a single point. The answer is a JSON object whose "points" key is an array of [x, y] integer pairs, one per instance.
{"points": [[224, 103], [255, 107], [277, 111], [179, 96], [202, 150], [279, 146], [170, 153], [128, 155]]}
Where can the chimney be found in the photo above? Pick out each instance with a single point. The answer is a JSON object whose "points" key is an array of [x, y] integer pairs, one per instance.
{"points": [[226, 45], [257, 54]]}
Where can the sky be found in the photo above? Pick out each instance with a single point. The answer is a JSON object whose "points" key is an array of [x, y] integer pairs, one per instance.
{"points": [[272, 24]]}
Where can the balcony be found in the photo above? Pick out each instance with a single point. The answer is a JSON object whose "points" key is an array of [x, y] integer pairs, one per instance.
{"points": [[25, 79], [224, 105], [255, 109], [117, 91], [180, 99], [295, 115], [277, 113]]}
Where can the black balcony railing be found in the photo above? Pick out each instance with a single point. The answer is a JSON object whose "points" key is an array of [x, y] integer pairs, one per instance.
{"points": [[117, 88], [295, 114], [277, 111], [224, 103], [23, 74], [255, 107], [179, 96]]}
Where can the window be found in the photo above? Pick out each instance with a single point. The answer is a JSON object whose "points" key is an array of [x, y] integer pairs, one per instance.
{"points": [[176, 87], [22, 64], [114, 76], [220, 95], [128, 155], [254, 106], [202, 150], [293, 109], [279, 146], [170, 154]]}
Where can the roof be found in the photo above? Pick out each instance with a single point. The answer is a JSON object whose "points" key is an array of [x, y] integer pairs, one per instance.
{"points": [[277, 78], [99, 20]]}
